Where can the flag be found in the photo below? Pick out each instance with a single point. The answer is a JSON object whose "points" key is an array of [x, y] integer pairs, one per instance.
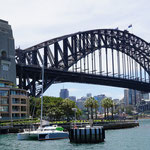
{"points": [[130, 26]]}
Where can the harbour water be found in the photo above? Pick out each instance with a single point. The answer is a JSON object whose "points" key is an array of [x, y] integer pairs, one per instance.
{"points": [[125, 139]]}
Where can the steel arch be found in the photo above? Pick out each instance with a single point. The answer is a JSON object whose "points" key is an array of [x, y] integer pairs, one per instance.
{"points": [[69, 49]]}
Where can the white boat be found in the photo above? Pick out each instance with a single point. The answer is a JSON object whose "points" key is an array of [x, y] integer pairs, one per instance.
{"points": [[45, 133]]}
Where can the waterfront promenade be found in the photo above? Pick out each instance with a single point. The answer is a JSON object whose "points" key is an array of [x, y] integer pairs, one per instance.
{"points": [[108, 125]]}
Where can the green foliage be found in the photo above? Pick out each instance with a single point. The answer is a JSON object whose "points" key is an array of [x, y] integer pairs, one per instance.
{"points": [[106, 104], [91, 104], [53, 108], [32, 121], [67, 106], [19, 122], [127, 109]]}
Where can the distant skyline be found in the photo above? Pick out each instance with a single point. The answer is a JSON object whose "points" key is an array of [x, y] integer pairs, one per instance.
{"points": [[36, 21], [80, 90]]}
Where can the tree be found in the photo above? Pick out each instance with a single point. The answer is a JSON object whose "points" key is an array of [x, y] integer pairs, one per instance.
{"points": [[91, 104], [67, 106], [34, 104], [53, 108], [106, 104], [96, 105], [127, 109], [87, 105]]}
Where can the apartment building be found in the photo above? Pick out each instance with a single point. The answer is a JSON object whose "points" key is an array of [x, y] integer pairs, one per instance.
{"points": [[14, 102]]}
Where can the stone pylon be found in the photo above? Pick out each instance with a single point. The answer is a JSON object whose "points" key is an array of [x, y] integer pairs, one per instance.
{"points": [[7, 53]]}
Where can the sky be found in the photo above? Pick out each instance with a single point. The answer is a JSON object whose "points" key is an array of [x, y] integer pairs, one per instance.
{"points": [[34, 21]]}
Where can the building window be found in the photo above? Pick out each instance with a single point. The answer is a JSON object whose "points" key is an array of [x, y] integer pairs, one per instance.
{"points": [[23, 108], [23, 93], [23, 115], [2, 85], [17, 92], [4, 108], [3, 93], [3, 100], [15, 101], [15, 115], [5, 67], [23, 101], [15, 108], [13, 92], [4, 115]]}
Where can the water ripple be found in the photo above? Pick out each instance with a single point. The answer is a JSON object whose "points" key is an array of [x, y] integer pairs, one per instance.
{"points": [[125, 139]]}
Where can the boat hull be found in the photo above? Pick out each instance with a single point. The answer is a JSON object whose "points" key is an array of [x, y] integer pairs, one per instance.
{"points": [[53, 136], [27, 136], [42, 136]]}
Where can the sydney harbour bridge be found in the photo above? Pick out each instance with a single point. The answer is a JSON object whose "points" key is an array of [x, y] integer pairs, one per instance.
{"points": [[103, 57]]}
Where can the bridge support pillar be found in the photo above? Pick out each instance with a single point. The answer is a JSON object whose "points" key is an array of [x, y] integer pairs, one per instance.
{"points": [[7, 53]]}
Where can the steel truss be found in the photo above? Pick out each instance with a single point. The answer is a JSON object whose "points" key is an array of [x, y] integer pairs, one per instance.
{"points": [[104, 56]]}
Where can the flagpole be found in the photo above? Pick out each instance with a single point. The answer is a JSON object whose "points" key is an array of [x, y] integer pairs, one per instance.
{"points": [[132, 29], [42, 93], [130, 26]]}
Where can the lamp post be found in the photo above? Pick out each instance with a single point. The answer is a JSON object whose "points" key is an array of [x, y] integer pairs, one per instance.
{"points": [[11, 119], [74, 109]]}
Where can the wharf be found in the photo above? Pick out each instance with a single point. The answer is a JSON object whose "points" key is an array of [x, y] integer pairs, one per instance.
{"points": [[106, 125]]}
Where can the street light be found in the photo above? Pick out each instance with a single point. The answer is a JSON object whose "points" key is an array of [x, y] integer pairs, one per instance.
{"points": [[75, 110]]}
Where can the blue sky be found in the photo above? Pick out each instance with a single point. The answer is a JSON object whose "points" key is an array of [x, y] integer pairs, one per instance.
{"points": [[34, 21], [79, 90]]}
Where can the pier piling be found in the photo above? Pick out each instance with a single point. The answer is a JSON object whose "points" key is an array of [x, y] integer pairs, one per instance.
{"points": [[87, 135]]}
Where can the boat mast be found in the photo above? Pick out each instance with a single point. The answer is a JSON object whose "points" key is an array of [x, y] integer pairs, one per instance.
{"points": [[42, 92]]}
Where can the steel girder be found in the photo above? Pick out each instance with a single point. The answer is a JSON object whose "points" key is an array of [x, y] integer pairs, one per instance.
{"points": [[63, 52]]}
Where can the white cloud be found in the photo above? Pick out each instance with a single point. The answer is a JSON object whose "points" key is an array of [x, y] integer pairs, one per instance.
{"points": [[37, 20], [34, 21]]}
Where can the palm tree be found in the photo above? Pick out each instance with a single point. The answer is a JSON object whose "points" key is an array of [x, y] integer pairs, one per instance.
{"points": [[87, 105], [96, 105], [91, 104], [106, 104], [112, 108]]}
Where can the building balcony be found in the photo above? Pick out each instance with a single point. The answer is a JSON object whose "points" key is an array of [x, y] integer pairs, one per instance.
{"points": [[15, 110], [14, 103]]}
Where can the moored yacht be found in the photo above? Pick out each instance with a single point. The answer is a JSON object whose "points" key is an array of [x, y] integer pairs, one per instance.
{"points": [[44, 133]]}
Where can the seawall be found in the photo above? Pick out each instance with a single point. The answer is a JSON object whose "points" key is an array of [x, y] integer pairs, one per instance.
{"points": [[67, 126]]}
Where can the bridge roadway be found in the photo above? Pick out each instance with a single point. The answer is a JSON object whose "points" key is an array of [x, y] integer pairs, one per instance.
{"points": [[81, 77]]}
